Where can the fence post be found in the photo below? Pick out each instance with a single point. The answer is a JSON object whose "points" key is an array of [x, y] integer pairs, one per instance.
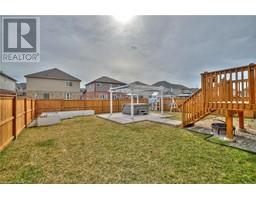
{"points": [[101, 106], [26, 111], [14, 113], [62, 105], [84, 104], [118, 106], [35, 107], [32, 111], [183, 115]]}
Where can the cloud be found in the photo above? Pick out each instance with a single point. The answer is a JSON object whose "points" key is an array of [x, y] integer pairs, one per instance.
{"points": [[149, 49]]}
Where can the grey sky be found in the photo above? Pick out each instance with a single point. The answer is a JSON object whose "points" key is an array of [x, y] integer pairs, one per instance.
{"points": [[149, 48]]}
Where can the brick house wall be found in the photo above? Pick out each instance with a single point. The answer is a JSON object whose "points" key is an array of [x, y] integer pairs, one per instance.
{"points": [[7, 85]]}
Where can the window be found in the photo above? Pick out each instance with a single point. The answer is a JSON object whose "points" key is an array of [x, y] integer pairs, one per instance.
{"points": [[46, 96], [69, 83], [98, 84], [90, 87], [68, 96], [102, 96]]}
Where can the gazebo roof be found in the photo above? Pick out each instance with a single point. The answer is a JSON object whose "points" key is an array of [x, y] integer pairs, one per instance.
{"points": [[138, 89]]}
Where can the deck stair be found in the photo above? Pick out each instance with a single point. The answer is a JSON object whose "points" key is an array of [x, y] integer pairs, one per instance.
{"points": [[229, 91]]}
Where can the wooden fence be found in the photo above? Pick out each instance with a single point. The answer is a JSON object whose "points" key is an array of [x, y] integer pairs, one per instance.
{"points": [[15, 115], [100, 106]]}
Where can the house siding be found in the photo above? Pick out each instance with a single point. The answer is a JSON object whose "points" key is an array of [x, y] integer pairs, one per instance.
{"points": [[7, 84], [37, 87], [98, 89], [90, 87]]}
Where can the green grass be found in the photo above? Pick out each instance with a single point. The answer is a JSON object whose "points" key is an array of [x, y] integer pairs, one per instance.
{"points": [[217, 140], [46, 143], [92, 150]]}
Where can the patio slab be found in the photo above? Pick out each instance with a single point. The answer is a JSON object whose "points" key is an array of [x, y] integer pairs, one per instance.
{"points": [[126, 119]]}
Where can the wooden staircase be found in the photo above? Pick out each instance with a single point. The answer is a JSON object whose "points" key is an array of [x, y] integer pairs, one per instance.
{"points": [[193, 109], [230, 91]]}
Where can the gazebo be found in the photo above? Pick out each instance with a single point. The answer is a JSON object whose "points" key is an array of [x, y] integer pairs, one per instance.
{"points": [[135, 91]]}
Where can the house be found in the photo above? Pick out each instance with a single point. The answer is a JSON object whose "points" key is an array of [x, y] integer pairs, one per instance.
{"points": [[21, 89], [174, 89], [137, 84], [7, 84], [53, 84], [99, 88]]}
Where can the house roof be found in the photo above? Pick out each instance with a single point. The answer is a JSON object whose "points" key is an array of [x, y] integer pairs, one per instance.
{"points": [[105, 79], [170, 85], [138, 83], [5, 75], [53, 74], [21, 85]]}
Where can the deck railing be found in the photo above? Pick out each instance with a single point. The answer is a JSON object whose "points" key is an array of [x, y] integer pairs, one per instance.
{"points": [[193, 108], [232, 89], [229, 89]]}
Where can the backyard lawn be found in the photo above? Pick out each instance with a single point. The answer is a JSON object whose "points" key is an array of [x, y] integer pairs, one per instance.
{"points": [[93, 150]]}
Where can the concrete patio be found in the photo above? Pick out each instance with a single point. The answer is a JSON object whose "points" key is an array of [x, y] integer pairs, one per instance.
{"points": [[127, 119]]}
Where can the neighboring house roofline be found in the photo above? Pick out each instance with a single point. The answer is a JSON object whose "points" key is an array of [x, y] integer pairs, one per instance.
{"points": [[105, 79], [53, 73], [169, 85], [5, 75], [138, 83], [21, 85]]}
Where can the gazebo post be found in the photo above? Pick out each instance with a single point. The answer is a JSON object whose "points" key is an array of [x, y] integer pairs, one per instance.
{"points": [[137, 99], [132, 110], [162, 103], [111, 102]]}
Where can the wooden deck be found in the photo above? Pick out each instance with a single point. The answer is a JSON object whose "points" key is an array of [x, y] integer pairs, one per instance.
{"points": [[230, 90]]}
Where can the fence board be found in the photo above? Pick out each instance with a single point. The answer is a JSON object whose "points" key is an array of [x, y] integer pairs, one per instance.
{"points": [[14, 113], [6, 121], [99, 106], [20, 115]]}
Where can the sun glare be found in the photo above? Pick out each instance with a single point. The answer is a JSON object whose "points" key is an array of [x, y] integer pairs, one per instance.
{"points": [[124, 19]]}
